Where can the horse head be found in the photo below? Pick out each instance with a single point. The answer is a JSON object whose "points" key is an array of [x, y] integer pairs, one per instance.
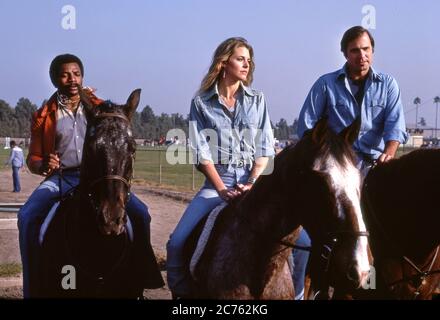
{"points": [[327, 197], [107, 163]]}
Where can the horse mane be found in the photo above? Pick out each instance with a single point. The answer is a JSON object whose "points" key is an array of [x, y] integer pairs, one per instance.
{"points": [[413, 164], [414, 172]]}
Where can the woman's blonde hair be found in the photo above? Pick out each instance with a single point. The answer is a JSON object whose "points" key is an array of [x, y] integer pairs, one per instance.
{"points": [[222, 54]]}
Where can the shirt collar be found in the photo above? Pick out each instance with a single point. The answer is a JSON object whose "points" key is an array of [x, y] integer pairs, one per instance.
{"points": [[214, 91], [374, 75]]}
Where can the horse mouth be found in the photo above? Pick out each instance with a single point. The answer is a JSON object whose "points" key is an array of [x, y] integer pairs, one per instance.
{"points": [[112, 229]]}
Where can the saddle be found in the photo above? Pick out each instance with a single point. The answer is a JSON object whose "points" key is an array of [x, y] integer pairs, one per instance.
{"points": [[53, 212], [200, 237]]}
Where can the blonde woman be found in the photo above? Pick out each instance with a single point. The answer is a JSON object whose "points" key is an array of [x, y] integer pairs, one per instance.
{"points": [[231, 140]]}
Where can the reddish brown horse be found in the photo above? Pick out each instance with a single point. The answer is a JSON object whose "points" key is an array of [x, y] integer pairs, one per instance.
{"points": [[314, 184], [401, 208]]}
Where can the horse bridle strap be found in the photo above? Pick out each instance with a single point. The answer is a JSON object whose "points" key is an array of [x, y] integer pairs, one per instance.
{"points": [[351, 233], [420, 275], [110, 177], [112, 115], [331, 234]]}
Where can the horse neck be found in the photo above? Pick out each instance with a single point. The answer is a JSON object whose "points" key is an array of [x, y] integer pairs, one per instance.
{"points": [[262, 209], [404, 219]]}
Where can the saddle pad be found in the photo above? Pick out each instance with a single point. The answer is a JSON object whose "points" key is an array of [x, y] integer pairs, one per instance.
{"points": [[204, 236], [52, 213]]}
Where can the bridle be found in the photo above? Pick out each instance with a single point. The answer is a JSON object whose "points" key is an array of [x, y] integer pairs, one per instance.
{"points": [[334, 239], [126, 182], [420, 277], [330, 239]]}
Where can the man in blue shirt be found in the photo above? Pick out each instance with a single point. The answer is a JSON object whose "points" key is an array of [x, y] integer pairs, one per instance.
{"points": [[16, 161], [356, 90]]}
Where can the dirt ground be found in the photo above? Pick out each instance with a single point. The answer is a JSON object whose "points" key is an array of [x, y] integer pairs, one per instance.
{"points": [[165, 212]]}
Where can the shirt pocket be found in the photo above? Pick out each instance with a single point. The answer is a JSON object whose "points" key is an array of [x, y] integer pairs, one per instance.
{"points": [[377, 110], [342, 110]]}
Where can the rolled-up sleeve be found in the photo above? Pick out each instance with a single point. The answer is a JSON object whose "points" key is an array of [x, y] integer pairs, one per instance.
{"points": [[198, 140], [35, 155], [394, 128], [265, 143], [312, 108]]}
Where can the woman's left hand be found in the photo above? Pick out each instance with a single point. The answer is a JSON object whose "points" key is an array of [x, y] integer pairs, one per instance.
{"points": [[243, 187]]}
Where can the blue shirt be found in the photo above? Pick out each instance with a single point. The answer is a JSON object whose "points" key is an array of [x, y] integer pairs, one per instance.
{"points": [[16, 158], [224, 137], [381, 112]]}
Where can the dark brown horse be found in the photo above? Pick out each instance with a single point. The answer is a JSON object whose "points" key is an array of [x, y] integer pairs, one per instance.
{"points": [[88, 250], [401, 208], [315, 184]]}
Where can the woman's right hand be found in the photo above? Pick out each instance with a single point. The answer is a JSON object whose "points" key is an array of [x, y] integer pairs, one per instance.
{"points": [[228, 194]]}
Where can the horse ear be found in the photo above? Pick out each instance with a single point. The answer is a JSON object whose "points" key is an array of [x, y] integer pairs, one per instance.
{"points": [[319, 130], [132, 103], [86, 102], [350, 133]]}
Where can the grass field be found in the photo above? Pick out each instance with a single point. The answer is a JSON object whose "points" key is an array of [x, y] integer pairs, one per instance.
{"points": [[10, 270], [152, 168]]}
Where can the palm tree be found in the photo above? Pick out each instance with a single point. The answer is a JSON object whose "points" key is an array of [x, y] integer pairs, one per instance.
{"points": [[436, 101], [417, 101]]}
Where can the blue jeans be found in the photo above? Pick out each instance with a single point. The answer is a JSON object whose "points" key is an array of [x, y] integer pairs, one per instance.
{"points": [[32, 215], [16, 179], [178, 275], [300, 259]]}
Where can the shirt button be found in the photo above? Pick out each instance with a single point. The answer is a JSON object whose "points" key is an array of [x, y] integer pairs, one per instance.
{"points": [[79, 151]]}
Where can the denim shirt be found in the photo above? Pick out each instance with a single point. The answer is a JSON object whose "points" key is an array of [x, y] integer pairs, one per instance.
{"points": [[381, 112], [16, 158], [230, 138]]}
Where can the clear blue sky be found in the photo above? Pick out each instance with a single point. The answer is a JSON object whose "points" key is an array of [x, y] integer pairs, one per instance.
{"points": [[165, 47]]}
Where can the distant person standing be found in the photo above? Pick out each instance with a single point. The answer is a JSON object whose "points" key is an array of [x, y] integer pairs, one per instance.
{"points": [[16, 160]]}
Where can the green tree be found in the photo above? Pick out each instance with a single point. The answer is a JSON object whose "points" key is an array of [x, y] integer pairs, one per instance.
{"points": [[23, 113], [282, 129], [8, 121], [417, 102], [149, 123], [294, 127]]}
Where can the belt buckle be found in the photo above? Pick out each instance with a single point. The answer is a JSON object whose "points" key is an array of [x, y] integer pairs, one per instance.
{"points": [[240, 163]]}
